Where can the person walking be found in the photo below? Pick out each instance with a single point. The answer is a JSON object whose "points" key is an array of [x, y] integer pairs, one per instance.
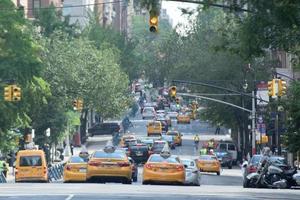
{"points": [[218, 129], [4, 167], [196, 141]]}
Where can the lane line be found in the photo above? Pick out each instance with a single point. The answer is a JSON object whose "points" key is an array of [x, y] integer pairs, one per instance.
{"points": [[70, 197]]}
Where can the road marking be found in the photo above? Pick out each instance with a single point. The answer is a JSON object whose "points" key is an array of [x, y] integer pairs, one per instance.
{"points": [[70, 197]]}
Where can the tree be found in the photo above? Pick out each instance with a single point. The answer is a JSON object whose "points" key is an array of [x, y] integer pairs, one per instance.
{"points": [[19, 64], [77, 69]]}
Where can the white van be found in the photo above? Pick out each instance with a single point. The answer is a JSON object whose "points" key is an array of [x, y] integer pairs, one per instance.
{"points": [[230, 147]]}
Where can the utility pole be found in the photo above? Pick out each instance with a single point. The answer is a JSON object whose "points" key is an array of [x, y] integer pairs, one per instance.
{"points": [[253, 123]]}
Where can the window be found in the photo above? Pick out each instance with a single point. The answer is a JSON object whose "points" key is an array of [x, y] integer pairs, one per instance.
{"points": [[223, 146], [158, 158], [77, 159], [36, 5], [27, 161], [116, 155], [231, 147]]}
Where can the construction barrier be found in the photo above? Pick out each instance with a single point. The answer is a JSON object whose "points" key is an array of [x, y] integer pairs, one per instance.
{"points": [[2, 178], [55, 172]]}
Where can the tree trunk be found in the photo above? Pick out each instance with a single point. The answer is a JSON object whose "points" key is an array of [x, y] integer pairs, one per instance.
{"points": [[83, 120]]}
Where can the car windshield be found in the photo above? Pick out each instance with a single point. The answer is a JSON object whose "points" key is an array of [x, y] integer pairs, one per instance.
{"points": [[159, 144], [207, 157], [255, 159], [278, 160], [140, 147], [117, 155], [172, 133], [26, 161], [77, 159], [158, 159]]}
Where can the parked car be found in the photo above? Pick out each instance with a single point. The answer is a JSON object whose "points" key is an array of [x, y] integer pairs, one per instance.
{"points": [[230, 147], [225, 158], [107, 128], [252, 164]]}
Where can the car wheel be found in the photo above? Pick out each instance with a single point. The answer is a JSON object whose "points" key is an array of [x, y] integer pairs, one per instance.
{"points": [[246, 183], [127, 181], [145, 183], [218, 173]]}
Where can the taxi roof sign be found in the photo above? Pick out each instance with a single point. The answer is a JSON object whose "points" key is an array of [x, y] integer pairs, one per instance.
{"points": [[165, 152], [109, 147]]}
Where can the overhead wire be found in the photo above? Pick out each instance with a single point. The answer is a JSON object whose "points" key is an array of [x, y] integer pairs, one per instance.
{"points": [[68, 6]]}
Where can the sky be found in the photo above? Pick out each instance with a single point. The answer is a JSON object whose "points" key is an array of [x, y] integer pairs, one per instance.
{"points": [[175, 13]]}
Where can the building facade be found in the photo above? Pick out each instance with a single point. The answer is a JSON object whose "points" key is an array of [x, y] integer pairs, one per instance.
{"points": [[79, 11], [30, 6]]}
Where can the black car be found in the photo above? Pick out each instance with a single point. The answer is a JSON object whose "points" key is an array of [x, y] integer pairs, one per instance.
{"points": [[157, 146], [129, 142], [139, 153], [225, 158], [104, 129]]}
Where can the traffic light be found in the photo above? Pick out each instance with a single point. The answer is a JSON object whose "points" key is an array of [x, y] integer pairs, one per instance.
{"points": [[281, 87], [79, 104], [172, 91], [271, 88], [153, 21], [16, 93], [8, 93], [75, 104]]}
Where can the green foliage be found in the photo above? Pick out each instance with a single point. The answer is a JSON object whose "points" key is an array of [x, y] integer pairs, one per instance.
{"points": [[292, 139]]}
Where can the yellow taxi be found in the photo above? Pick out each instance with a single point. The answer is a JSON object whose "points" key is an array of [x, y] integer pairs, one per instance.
{"points": [[125, 138], [177, 136], [154, 128], [109, 165], [75, 169], [31, 166], [209, 163], [164, 168], [183, 118]]}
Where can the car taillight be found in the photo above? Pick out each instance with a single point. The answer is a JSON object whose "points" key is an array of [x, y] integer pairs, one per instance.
{"points": [[94, 163], [123, 164], [148, 166], [252, 169], [45, 170], [68, 167], [179, 167]]}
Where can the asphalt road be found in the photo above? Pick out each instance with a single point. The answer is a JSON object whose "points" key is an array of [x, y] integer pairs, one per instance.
{"points": [[213, 187]]}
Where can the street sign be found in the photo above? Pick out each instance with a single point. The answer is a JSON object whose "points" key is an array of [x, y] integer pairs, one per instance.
{"points": [[262, 94]]}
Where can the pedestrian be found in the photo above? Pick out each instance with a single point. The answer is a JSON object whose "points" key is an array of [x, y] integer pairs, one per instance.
{"points": [[3, 167], [72, 149], [218, 129]]}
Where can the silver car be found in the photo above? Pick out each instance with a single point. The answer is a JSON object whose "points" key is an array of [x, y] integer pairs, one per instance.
{"points": [[148, 113], [192, 174]]}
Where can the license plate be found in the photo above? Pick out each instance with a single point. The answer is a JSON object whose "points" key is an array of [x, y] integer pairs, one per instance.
{"points": [[139, 153], [82, 170]]}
